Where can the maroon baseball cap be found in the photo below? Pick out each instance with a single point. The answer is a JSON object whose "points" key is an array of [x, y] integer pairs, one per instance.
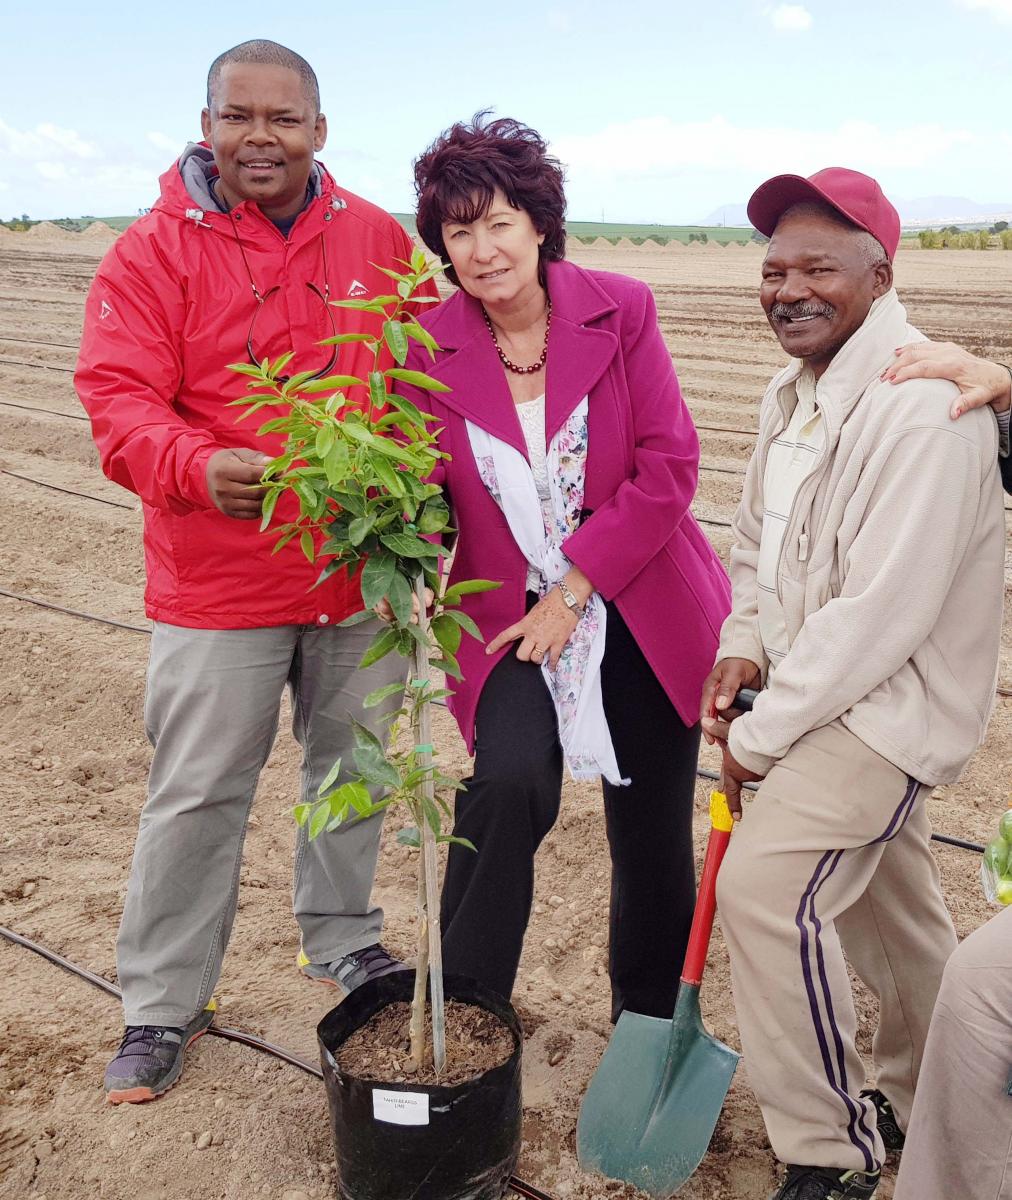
{"points": [[855, 196]]}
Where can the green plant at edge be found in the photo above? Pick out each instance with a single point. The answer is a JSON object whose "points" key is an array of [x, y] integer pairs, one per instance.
{"points": [[358, 456]]}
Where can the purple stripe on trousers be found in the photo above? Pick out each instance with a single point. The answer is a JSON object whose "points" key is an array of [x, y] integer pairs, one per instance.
{"points": [[838, 1081]]}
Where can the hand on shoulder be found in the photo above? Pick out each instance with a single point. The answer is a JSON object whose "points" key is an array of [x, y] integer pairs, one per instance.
{"points": [[979, 381]]}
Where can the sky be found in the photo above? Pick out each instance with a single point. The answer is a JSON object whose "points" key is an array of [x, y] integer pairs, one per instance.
{"points": [[661, 111]]}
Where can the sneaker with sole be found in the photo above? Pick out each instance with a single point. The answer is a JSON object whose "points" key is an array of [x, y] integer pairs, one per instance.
{"points": [[150, 1059], [892, 1136], [826, 1183], [351, 971]]}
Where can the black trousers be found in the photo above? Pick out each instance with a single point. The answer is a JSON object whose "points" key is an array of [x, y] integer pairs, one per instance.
{"points": [[512, 801]]}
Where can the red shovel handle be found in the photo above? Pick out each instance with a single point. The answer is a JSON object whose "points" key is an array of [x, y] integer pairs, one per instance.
{"points": [[721, 825]]}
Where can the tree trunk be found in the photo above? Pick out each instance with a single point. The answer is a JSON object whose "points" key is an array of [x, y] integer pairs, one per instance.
{"points": [[430, 945]]}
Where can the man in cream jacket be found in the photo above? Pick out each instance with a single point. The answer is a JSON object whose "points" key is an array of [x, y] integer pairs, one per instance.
{"points": [[867, 573]]}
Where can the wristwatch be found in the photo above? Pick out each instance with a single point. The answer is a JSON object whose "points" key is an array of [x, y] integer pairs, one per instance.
{"points": [[571, 601]]}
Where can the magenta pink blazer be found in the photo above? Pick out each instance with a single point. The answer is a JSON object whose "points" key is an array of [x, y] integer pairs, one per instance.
{"points": [[640, 545]]}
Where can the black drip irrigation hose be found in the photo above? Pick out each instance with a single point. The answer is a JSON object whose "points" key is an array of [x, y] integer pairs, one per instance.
{"points": [[36, 342], [144, 629], [49, 412], [527, 1190], [17, 362], [73, 612], [67, 491]]}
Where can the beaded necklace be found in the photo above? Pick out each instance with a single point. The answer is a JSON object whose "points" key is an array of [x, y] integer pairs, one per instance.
{"points": [[508, 363]]}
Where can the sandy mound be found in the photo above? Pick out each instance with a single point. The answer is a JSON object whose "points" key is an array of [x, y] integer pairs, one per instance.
{"points": [[47, 231], [673, 244], [625, 244], [98, 231]]}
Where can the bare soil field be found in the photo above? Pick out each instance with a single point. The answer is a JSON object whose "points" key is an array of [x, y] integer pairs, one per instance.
{"points": [[74, 758]]}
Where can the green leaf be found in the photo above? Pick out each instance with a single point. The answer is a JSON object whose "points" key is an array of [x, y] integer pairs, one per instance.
{"points": [[357, 618], [381, 645], [375, 769], [447, 633], [448, 665], [365, 738], [390, 478], [396, 339], [339, 339], [409, 837], [418, 259], [418, 378], [336, 462], [421, 334], [435, 515], [270, 501], [411, 411], [408, 545], [330, 779], [325, 436], [358, 797], [246, 369], [333, 383], [374, 305], [380, 694], [446, 839], [318, 821], [301, 813], [308, 546], [360, 528], [377, 389], [468, 587], [400, 594], [377, 575], [465, 622]]}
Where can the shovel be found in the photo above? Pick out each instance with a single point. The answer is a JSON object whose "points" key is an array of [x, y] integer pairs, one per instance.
{"points": [[653, 1103]]}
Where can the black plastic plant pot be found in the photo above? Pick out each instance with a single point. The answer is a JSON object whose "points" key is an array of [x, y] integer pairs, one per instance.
{"points": [[406, 1141]]}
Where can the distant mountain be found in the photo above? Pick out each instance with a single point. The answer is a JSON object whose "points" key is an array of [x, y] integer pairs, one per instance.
{"points": [[924, 210]]}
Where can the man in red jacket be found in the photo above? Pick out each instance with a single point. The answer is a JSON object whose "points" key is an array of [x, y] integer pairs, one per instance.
{"points": [[237, 261]]}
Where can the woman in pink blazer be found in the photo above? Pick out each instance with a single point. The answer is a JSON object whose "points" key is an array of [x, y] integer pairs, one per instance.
{"points": [[573, 465]]}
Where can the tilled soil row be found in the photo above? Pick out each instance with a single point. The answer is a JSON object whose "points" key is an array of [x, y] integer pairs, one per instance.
{"points": [[75, 760]]}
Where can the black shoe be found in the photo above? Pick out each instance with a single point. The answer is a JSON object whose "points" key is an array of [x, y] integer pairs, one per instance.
{"points": [[826, 1183], [150, 1059], [354, 969], [892, 1136]]}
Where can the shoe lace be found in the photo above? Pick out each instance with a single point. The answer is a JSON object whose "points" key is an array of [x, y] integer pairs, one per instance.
{"points": [[137, 1036]]}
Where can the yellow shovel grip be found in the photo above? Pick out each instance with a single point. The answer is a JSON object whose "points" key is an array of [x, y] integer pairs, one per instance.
{"points": [[720, 814]]}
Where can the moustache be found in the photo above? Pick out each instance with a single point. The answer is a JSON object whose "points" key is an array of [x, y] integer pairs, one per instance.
{"points": [[793, 312]]}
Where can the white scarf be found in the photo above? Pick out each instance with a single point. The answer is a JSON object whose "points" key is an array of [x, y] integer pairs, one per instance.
{"points": [[575, 684]]}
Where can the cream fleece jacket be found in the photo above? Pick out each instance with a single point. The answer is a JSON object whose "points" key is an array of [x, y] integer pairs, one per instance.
{"points": [[891, 570]]}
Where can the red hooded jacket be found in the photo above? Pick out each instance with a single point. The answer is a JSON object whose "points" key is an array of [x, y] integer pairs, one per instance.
{"points": [[169, 309]]}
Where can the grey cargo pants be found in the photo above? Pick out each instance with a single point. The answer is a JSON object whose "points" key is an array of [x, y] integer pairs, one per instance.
{"points": [[211, 713]]}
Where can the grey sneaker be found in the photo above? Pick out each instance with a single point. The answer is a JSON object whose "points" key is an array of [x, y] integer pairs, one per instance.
{"points": [[826, 1183], [150, 1059], [350, 972], [893, 1138]]}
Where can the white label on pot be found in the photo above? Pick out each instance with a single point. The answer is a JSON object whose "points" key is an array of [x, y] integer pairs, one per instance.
{"points": [[400, 1108]]}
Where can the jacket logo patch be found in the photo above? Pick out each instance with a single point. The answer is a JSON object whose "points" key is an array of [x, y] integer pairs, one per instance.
{"points": [[105, 310], [357, 289]]}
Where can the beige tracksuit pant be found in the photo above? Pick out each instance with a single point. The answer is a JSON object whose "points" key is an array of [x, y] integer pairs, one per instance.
{"points": [[832, 856], [959, 1144]]}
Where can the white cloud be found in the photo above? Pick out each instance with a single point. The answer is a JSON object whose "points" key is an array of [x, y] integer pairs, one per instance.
{"points": [[790, 17], [657, 146], [52, 170], [1001, 10], [43, 141]]}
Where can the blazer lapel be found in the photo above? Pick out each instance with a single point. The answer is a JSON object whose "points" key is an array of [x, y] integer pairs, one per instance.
{"points": [[479, 391], [577, 358]]}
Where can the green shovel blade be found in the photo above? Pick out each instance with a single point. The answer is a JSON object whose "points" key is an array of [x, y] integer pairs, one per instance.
{"points": [[653, 1103]]}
